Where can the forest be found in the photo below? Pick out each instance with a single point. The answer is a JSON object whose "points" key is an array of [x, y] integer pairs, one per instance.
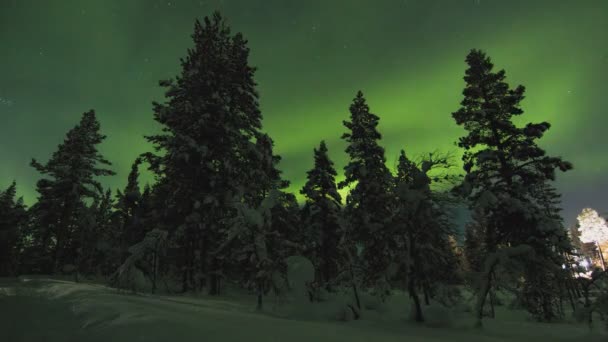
{"points": [[218, 216]]}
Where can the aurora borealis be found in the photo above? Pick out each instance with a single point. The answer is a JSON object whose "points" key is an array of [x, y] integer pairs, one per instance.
{"points": [[60, 58]]}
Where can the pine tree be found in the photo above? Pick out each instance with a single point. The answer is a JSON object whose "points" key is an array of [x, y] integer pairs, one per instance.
{"points": [[410, 224], [129, 212], [474, 244], [504, 164], [267, 221], [421, 229], [321, 215], [13, 218], [70, 180], [500, 159], [368, 203], [212, 148], [97, 246]]}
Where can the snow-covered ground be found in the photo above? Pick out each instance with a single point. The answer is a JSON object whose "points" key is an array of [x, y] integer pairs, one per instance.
{"points": [[57, 310]]}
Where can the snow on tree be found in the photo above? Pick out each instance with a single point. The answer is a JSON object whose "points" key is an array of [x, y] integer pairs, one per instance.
{"points": [[211, 148], [13, 219], [368, 202], [320, 216], [507, 174], [143, 262], [421, 227], [70, 179], [593, 229]]}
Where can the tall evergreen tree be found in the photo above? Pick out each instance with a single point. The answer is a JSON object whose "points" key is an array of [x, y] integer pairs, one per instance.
{"points": [[97, 254], [129, 212], [321, 215], [70, 180], [261, 236], [368, 203], [13, 218], [420, 230], [210, 147], [504, 164]]}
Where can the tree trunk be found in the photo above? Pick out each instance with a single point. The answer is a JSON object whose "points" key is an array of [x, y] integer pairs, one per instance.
{"points": [[260, 294], [492, 296], [414, 295], [353, 284], [570, 297], [426, 295], [481, 299], [154, 271], [185, 280], [411, 279]]}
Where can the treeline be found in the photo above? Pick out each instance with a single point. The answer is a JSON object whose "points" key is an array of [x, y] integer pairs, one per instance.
{"points": [[218, 210]]}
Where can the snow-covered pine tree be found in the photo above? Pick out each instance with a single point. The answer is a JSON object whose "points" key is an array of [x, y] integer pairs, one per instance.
{"points": [[247, 243], [421, 229], [368, 202], [13, 220], [267, 219], [410, 223], [70, 179], [503, 162], [129, 213], [320, 216], [474, 249], [142, 266], [211, 123], [548, 277], [95, 243]]}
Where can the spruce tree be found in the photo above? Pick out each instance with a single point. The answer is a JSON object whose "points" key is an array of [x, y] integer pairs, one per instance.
{"points": [[368, 203], [13, 220], [97, 246], [504, 164], [321, 215], [211, 148], [70, 180], [129, 212], [421, 229]]}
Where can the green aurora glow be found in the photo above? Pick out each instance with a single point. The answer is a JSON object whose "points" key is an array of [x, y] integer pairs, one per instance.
{"points": [[61, 58]]}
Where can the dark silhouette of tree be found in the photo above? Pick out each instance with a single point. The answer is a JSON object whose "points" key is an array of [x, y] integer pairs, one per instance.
{"points": [[70, 179], [96, 238], [420, 230], [320, 215], [212, 148], [505, 167], [262, 235], [13, 220], [368, 203], [129, 212]]}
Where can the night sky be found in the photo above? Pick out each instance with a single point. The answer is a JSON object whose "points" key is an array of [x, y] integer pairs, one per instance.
{"points": [[59, 58]]}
